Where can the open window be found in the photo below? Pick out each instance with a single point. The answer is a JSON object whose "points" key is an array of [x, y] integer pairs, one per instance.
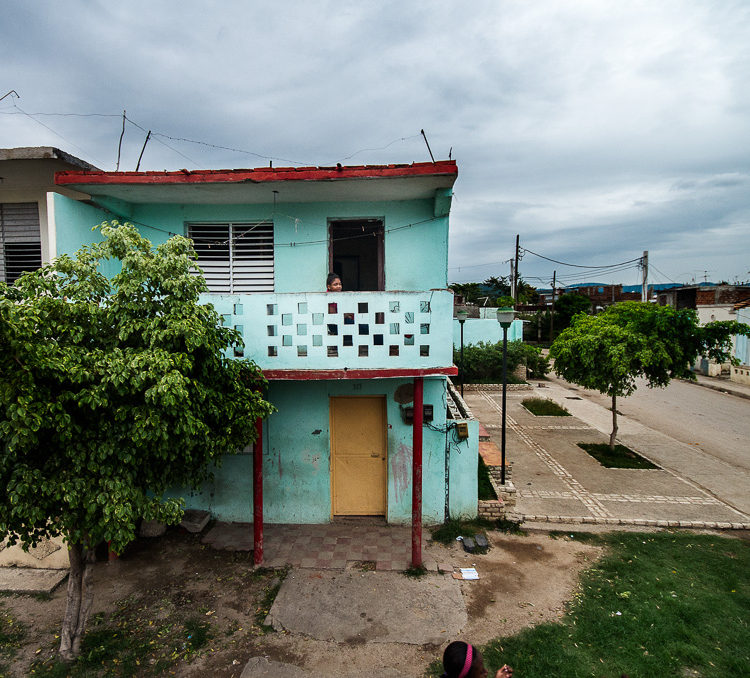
{"points": [[356, 253]]}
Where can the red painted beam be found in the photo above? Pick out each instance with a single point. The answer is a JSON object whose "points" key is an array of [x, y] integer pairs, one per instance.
{"points": [[304, 375], [258, 494], [416, 476], [259, 175]]}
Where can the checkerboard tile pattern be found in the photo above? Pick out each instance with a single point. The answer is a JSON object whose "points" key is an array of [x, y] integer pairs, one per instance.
{"points": [[332, 546], [326, 328]]}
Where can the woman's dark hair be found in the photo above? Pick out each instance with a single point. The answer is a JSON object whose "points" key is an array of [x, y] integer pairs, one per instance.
{"points": [[454, 658], [331, 277]]}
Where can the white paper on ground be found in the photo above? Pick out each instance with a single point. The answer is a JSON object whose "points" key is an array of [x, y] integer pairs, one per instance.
{"points": [[469, 573]]}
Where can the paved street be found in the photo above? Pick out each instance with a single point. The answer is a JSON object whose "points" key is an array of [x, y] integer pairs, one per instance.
{"points": [[557, 480], [717, 423]]}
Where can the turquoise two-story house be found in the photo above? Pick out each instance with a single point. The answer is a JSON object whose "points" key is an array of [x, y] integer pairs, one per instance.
{"points": [[352, 373]]}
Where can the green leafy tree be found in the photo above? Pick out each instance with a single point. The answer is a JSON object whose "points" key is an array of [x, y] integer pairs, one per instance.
{"points": [[569, 305], [112, 391], [527, 293], [497, 286], [607, 352], [469, 291], [483, 361]]}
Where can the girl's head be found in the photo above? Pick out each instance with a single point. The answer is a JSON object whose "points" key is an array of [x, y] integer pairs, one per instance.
{"points": [[461, 660], [333, 283]]}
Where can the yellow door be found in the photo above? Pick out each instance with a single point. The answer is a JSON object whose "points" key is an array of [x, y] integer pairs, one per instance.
{"points": [[358, 456]]}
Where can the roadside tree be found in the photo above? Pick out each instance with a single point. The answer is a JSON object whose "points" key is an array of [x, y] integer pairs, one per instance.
{"points": [[112, 391], [569, 305], [607, 352]]}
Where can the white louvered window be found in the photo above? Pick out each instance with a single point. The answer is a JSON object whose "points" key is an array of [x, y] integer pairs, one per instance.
{"points": [[20, 239], [235, 257]]}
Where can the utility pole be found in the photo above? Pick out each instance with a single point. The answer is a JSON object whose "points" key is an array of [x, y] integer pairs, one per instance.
{"points": [[515, 278], [552, 314], [512, 278], [644, 286]]}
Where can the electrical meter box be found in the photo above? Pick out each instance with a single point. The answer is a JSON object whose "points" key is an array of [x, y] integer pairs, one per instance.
{"points": [[462, 429]]}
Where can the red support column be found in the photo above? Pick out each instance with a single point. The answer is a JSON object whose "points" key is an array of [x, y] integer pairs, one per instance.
{"points": [[416, 476], [258, 494]]}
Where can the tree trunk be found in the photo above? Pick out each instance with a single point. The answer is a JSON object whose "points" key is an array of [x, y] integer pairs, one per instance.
{"points": [[613, 435], [80, 597]]}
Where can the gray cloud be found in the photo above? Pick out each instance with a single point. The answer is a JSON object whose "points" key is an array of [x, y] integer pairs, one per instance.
{"points": [[596, 130]]}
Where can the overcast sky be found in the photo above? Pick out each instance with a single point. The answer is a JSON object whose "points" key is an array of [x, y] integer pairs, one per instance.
{"points": [[594, 129]]}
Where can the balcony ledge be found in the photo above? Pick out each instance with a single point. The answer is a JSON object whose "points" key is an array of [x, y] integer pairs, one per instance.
{"points": [[345, 373]]}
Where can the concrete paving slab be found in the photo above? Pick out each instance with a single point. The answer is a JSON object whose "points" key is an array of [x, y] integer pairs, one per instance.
{"points": [[550, 506], [671, 511], [380, 607], [49, 553], [30, 579], [194, 520], [558, 480], [262, 667]]}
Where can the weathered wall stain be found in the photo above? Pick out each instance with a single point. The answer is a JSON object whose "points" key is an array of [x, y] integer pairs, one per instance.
{"points": [[401, 469]]}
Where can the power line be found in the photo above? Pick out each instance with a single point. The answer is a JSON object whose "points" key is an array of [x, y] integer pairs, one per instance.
{"points": [[39, 122], [381, 148], [154, 135], [592, 274], [268, 219], [563, 263], [490, 263], [663, 275], [198, 142], [68, 115]]}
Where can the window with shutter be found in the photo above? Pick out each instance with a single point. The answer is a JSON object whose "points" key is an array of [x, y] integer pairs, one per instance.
{"points": [[235, 257], [20, 239]]}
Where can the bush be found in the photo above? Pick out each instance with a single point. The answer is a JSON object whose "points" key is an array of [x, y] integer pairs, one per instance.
{"points": [[543, 407], [483, 362]]}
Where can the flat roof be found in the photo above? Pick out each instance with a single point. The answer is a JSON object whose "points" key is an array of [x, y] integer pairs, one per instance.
{"points": [[45, 153], [261, 185]]}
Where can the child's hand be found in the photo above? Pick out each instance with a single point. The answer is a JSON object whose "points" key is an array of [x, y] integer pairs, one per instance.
{"points": [[505, 672]]}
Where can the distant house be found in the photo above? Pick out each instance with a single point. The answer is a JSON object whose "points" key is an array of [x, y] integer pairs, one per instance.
{"points": [[711, 302], [350, 372], [26, 175], [741, 373]]}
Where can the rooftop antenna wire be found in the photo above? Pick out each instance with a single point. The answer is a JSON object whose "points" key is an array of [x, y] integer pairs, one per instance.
{"points": [[119, 146], [428, 145], [18, 96], [148, 136]]}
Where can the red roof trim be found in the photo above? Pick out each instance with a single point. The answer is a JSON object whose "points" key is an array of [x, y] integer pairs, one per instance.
{"points": [[259, 175], [306, 375]]}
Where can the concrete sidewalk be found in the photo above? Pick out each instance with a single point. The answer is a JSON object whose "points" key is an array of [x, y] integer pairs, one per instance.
{"points": [[557, 482], [723, 384]]}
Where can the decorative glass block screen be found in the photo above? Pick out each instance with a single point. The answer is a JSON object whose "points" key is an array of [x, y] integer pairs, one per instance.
{"points": [[365, 330], [375, 327]]}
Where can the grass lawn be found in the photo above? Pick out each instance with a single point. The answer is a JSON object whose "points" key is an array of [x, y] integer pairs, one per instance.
{"points": [[542, 407], [622, 457], [664, 604]]}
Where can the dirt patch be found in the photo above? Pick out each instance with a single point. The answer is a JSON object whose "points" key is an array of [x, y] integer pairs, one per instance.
{"points": [[174, 584], [523, 581]]}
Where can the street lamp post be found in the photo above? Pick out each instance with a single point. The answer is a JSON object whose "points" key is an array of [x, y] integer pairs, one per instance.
{"points": [[505, 317], [462, 315]]}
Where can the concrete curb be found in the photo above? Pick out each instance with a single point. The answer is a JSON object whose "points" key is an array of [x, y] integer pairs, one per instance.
{"points": [[719, 387], [637, 522]]}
